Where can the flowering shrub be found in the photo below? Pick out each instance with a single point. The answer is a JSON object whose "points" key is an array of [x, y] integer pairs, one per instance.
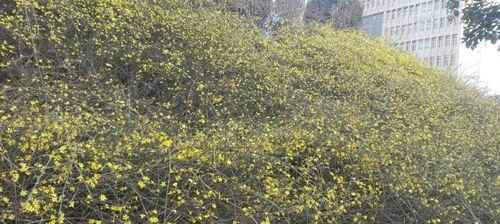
{"points": [[144, 112]]}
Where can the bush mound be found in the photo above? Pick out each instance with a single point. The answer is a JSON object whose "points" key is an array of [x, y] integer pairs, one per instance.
{"points": [[131, 111]]}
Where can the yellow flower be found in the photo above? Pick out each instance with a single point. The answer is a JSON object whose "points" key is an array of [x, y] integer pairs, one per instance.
{"points": [[103, 197], [153, 219], [15, 176], [167, 143]]}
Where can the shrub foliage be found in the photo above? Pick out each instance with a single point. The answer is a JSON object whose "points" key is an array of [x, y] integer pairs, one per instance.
{"points": [[162, 111]]}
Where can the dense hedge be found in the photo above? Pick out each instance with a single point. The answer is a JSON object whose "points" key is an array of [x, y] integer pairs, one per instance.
{"points": [[161, 111]]}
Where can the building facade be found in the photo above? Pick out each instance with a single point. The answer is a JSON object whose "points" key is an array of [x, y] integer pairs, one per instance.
{"points": [[422, 27]]}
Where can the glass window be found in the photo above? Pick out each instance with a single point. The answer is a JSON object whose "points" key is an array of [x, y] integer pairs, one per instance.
{"points": [[441, 23], [420, 44], [454, 41], [414, 45], [447, 40], [445, 60], [427, 43], [424, 6], [440, 42], [438, 61], [408, 46], [429, 24], [436, 24], [433, 43], [437, 4], [452, 59], [431, 61]]}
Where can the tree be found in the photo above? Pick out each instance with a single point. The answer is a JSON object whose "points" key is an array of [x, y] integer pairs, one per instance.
{"points": [[346, 13], [341, 14], [481, 19]]}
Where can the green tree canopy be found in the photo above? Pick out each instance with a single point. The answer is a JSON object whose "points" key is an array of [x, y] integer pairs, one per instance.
{"points": [[481, 19]]}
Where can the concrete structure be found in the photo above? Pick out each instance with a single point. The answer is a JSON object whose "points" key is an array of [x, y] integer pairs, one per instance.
{"points": [[424, 28]]}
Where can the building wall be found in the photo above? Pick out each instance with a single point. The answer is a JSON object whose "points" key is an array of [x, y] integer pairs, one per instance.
{"points": [[422, 27]]}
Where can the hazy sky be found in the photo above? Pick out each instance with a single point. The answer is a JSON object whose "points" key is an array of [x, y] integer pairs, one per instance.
{"points": [[489, 73]]}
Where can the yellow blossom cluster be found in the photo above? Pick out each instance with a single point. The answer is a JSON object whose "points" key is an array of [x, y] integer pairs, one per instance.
{"points": [[163, 111]]}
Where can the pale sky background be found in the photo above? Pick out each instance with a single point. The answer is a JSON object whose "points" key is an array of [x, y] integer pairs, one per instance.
{"points": [[489, 73]]}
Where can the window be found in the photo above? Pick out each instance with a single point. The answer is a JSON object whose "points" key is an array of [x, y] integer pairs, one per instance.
{"points": [[403, 30], [437, 4], [436, 24], [438, 61], [414, 45], [420, 44], [408, 46], [415, 27], [452, 59], [433, 43], [422, 26], [397, 31], [441, 23], [454, 40], [409, 28], [426, 60], [410, 11], [440, 42], [427, 43], [447, 41], [417, 8], [429, 24], [424, 6], [431, 61], [445, 60], [392, 31]]}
